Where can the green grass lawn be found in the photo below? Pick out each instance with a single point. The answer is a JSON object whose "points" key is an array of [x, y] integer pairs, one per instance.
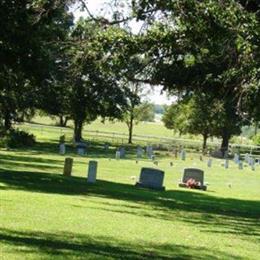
{"points": [[44, 215]]}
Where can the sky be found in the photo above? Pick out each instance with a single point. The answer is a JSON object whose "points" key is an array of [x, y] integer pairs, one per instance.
{"points": [[95, 7]]}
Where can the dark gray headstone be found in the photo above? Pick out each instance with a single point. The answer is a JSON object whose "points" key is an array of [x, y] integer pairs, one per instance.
{"points": [[193, 173], [122, 152], [151, 178]]}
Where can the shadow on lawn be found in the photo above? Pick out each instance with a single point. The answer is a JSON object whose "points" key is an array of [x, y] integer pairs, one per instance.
{"points": [[83, 246], [223, 215], [17, 161]]}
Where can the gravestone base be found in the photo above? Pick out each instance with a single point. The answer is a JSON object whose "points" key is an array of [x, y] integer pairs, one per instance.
{"points": [[201, 187], [141, 185]]}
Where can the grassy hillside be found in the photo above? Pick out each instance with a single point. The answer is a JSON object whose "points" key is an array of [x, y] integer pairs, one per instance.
{"points": [[47, 216]]}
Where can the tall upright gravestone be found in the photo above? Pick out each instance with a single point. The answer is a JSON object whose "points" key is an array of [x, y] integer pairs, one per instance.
{"points": [[92, 171], [68, 166]]}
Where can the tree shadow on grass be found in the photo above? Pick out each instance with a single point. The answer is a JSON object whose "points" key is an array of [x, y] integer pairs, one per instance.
{"points": [[17, 161], [67, 245], [197, 208]]}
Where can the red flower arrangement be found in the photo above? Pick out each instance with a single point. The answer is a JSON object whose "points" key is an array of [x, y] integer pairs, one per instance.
{"points": [[192, 184]]}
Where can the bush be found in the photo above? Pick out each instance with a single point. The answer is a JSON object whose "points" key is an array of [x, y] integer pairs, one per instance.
{"points": [[18, 138], [256, 139]]}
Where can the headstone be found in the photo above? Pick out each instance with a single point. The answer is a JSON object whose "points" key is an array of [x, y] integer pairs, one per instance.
{"points": [[240, 165], [139, 152], [252, 164], [176, 153], [68, 166], [81, 148], [209, 162], [62, 149], [118, 155], [183, 155], [236, 158], [226, 164], [122, 151], [81, 151], [92, 171], [106, 147], [193, 173], [151, 178], [251, 161], [247, 157], [201, 158], [171, 164], [149, 151]]}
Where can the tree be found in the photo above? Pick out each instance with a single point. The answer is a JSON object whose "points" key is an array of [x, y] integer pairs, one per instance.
{"points": [[30, 35], [92, 82], [136, 113], [176, 117], [205, 114]]}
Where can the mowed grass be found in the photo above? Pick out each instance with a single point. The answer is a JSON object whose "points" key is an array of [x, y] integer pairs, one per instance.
{"points": [[44, 215], [142, 128]]}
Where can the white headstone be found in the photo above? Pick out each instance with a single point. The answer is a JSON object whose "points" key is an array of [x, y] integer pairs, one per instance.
{"points": [[226, 164], [240, 165], [236, 158], [183, 155], [149, 150], [139, 152], [62, 148], [92, 171], [118, 155], [247, 157], [209, 162]]}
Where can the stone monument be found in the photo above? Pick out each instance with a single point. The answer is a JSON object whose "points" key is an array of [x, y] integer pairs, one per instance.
{"points": [[92, 171], [151, 178], [195, 174], [68, 166]]}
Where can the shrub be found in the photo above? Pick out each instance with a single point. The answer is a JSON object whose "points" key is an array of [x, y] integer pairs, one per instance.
{"points": [[256, 139], [18, 138]]}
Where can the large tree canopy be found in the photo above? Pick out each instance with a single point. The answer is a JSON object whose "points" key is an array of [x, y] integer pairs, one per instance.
{"points": [[29, 42]]}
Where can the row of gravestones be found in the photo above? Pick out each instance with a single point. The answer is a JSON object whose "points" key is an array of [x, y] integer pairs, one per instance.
{"points": [[120, 153], [149, 177]]}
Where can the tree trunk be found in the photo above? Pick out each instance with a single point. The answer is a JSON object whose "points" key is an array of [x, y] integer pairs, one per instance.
{"points": [[204, 146], [130, 128], [256, 128], [78, 124], [7, 121], [66, 121], [225, 142], [61, 121]]}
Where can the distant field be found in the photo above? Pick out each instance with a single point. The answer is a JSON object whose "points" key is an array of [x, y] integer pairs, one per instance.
{"points": [[143, 128]]}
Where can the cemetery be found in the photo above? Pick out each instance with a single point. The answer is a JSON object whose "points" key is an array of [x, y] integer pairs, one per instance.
{"points": [[129, 129], [114, 204]]}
